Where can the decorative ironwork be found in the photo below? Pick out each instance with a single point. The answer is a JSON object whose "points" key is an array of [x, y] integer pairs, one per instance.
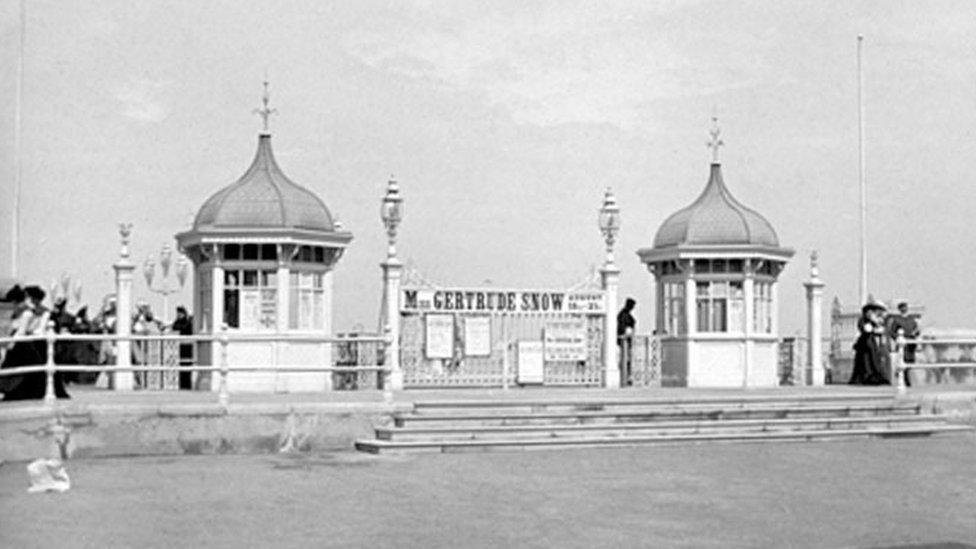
{"points": [[645, 362]]}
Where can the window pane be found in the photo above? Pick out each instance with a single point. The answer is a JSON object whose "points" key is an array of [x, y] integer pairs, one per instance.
{"points": [[269, 252], [702, 266], [702, 289], [250, 279], [230, 279], [319, 254], [703, 316], [250, 251], [293, 303], [232, 251], [269, 279], [317, 280], [231, 309], [719, 323], [317, 303]]}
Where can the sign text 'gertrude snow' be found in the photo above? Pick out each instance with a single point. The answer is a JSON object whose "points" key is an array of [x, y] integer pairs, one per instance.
{"points": [[501, 301]]}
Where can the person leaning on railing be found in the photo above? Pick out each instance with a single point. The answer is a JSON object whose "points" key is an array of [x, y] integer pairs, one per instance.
{"points": [[908, 327], [626, 325]]}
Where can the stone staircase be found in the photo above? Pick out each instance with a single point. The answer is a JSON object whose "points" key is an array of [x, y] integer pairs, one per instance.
{"points": [[523, 424]]}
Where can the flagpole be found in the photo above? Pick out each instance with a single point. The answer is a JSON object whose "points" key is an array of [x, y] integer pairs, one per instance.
{"points": [[18, 170], [863, 294]]}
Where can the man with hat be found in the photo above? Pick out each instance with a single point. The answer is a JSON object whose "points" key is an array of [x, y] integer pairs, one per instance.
{"points": [[906, 324]]}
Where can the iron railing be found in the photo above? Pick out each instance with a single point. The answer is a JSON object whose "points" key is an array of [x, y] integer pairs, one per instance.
{"points": [[50, 368]]}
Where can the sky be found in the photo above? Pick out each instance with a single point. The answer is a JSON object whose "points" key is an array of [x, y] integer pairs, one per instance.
{"points": [[504, 123]]}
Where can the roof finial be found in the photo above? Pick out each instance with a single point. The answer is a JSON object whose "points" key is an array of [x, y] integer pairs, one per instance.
{"points": [[265, 112], [714, 143]]}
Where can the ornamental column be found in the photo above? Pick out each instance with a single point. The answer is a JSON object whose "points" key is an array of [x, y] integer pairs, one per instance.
{"points": [[391, 212], [814, 288], [609, 223], [124, 268]]}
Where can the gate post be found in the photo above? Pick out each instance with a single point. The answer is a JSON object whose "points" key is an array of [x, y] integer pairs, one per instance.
{"points": [[122, 380], [814, 288], [392, 271], [391, 212], [610, 278], [609, 222]]}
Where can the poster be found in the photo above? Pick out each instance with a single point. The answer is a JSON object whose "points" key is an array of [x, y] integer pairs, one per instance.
{"points": [[564, 339], [530, 364], [250, 310], [477, 336], [440, 336]]}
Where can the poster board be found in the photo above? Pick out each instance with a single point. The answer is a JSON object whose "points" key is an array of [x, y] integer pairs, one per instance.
{"points": [[477, 336], [530, 363], [439, 336], [564, 340]]}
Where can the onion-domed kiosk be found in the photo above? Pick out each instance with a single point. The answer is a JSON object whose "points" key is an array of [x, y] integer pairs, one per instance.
{"points": [[716, 264], [263, 250]]}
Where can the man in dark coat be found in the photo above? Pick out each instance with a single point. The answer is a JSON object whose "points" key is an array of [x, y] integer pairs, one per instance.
{"points": [[626, 324], [905, 323], [183, 325]]}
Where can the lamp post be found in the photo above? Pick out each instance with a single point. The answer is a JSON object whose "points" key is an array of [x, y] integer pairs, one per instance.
{"points": [[391, 212], [609, 223], [165, 289]]}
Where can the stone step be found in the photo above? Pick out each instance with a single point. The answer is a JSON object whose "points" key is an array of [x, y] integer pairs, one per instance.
{"points": [[659, 413], [603, 403], [378, 446], [469, 432]]}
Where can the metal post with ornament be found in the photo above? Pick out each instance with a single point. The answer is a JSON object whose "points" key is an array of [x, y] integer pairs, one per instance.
{"points": [[609, 223], [391, 212]]}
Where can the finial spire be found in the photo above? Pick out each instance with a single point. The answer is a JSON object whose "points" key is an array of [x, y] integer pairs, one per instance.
{"points": [[264, 111], [714, 143]]}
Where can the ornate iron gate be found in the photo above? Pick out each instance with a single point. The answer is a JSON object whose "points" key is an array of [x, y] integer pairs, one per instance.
{"points": [[645, 370], [496, 361]]}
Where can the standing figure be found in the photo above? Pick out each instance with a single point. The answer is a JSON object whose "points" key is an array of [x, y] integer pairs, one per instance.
{"points": [[626, 324], [183, 325], [32, 319], [870, 349], [906, 324]]}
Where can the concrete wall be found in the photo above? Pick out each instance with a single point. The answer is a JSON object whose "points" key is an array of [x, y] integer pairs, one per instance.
{"points": [[134, 430]]}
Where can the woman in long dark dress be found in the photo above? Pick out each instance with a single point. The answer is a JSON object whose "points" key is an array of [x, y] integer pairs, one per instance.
{"points": [[870, 350], [31, 319]]}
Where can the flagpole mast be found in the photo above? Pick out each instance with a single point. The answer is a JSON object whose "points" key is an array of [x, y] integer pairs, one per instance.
{"points": [[18, 170], [863, 293]]}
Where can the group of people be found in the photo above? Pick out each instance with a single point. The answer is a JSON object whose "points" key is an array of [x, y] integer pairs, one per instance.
{"points": [[877, 332], [30, 317]]}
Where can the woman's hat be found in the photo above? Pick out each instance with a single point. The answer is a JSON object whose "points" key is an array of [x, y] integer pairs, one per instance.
{"points": [[872, 306]]}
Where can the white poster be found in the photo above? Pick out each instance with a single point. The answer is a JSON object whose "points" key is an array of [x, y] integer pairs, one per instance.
{"points": [[477, 336], [250, 309], [564, 340], [530, 364], [440, 336]]}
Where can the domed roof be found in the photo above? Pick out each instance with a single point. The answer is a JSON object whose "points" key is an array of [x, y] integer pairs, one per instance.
{"points": [[264, 197], [716, 218]]}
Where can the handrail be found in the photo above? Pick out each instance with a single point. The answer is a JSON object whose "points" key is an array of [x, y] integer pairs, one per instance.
{"points": [[256, 338], [899, 366], [50, 368]]}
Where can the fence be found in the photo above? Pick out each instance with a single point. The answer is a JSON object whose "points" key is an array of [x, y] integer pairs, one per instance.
{"points": [[937, 361], [349, 367]]}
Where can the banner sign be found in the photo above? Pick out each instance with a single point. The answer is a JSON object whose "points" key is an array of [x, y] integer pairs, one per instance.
{"points": [[483, 300], [564, 340]]}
